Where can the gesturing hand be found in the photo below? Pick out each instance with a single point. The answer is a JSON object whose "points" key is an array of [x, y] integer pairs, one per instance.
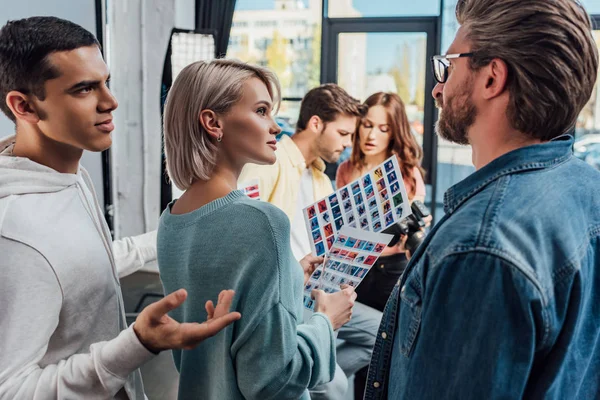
{"points": [[157, 331]]}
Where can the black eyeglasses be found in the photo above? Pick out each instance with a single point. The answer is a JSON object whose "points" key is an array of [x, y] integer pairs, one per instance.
{"points": [[440, 65]]}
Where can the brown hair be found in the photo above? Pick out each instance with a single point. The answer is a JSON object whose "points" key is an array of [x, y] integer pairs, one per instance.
{"points": [[327, 102], [550, 52], [402, 142]]}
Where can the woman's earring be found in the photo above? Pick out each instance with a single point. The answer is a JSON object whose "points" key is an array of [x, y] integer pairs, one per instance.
{"points": [[219, 138]]}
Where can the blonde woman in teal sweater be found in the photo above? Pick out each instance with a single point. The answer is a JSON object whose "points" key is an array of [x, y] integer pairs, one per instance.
{"points": [[218, 117]]}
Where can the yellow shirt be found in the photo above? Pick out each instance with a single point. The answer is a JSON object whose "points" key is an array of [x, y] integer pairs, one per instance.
{"points": [[279, 183]]}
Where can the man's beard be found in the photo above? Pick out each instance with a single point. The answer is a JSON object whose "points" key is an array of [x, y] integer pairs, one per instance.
{"points": [[456, 116]]}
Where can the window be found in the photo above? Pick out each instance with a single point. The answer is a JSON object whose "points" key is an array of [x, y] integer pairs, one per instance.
{"points": [[288, 41], [383, 8]]}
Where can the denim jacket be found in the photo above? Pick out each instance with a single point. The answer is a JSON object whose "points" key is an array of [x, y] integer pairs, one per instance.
{"points": [[502, 300]]}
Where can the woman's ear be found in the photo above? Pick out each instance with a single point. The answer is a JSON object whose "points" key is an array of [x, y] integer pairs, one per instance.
{"points": [[212, 124]]}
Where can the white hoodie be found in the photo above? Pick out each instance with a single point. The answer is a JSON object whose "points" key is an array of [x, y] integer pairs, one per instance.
{"points": [[63, 333]]}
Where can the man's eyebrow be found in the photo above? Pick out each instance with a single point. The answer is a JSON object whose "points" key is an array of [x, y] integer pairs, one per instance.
{"points": [[84, 84]]}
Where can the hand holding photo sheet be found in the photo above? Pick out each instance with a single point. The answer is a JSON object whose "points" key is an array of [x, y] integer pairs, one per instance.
{"points": [[250, 188], [352, 255], [373, 202]]}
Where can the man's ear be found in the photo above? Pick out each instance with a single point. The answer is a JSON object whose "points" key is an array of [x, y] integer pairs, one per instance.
{"points": [[212, 124], [496, 78], [22, 107], [315, 124]]}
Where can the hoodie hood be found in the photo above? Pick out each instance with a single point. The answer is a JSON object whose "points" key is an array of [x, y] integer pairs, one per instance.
{"points": [[20, 175]]}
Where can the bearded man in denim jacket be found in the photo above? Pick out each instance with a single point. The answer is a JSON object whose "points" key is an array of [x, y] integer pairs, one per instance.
{"points": [[502, 300]]}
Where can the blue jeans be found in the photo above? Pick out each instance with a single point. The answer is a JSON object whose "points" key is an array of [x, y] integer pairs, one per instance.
{"points": [[355, 345]]}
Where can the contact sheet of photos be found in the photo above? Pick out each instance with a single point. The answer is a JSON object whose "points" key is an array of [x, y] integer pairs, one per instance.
{"points": [[347, 262], [250, 188], [373, 202]]}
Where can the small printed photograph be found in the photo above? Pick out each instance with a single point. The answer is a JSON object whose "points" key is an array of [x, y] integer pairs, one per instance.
{"points": [[399, 212], [377, 225], [322, 206], [395, 187], [314, 224], [389, 166], [387, 207], [311, 212], [344, 281], [358, 199], [330, 241], [320, 248], [398, 200], [359, 244], [352, 283], [375, 215], [336, 212], [308, 286], [317, 286], [380, 185], [317, 236], [370, 260], [333, 200], [328, 229], [345, 194], [343, 253], [332, 278], [308, 302], [364, 223], [347, 205], [361, 210], [369, 192], [335, 251], [378, 173], [361, 273], [350, 242], [350, 218], [360, 259], [352, 255], [392, 177], [366, 181], [369, 246], [317, 274], [389, 219], [342, 239], [355, 187], [344, 268], [352, 225], [328, 290], [384, 194], [372, 204], [379, 247], [253, 195], [354, 271], [339, 223], [326, 217]]}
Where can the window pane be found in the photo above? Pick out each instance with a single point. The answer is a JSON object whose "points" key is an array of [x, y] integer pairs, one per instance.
{"points": [[587, 145], [386, 62], [592, 6], [383, 8], [284, 36]]}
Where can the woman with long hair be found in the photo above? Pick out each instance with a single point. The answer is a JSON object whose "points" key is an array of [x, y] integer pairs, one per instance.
{"points": [[219, 117], [383, 132]]}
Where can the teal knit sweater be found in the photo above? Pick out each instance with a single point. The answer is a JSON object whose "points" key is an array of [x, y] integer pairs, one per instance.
{"points": [[238, 243]]}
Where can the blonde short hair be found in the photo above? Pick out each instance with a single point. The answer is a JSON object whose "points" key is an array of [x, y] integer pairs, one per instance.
{"points": [[191, 154]]}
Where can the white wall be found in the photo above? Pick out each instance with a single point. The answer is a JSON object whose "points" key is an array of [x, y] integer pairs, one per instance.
{"points": [[82, 12]]}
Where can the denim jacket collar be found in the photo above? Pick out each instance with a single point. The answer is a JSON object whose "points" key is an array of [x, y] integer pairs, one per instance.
{"points": [[527, 158]]}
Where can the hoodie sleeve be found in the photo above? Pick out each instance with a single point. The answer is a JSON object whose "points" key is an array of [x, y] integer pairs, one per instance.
{"points": [[31, 299], [132, 253]]}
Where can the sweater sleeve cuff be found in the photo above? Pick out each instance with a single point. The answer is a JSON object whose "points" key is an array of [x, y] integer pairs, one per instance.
{"points": [[124, 354]]}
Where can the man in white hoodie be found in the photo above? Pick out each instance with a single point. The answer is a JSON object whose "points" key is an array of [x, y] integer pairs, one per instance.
{"points": [[62, 326]]}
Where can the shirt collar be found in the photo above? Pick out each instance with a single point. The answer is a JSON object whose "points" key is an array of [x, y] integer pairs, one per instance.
{"points": [[287, 144], [534, 157]]}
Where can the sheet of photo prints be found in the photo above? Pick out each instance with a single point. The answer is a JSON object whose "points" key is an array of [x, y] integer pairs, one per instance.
{"points": [[373, 202], [347, 262], [250, 188]]}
